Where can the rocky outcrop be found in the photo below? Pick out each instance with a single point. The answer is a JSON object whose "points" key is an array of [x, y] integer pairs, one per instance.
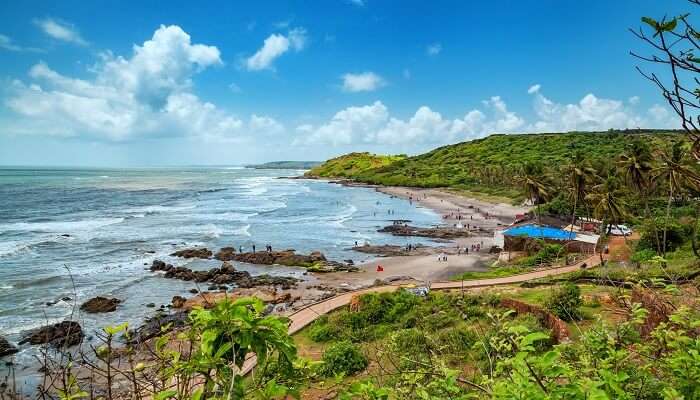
{"points": [[193, 253], [178, 301], [100, 304], [560, 331], [66, 333], [437, 233], [158, 325], [225, 254], [226, 274], [6, 348], [390, 250], [287, 257]]}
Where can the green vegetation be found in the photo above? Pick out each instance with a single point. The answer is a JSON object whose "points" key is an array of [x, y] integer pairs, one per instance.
{"points": [[286, 165], [494, 271], [343, 358], [566, 302], [488, 165], [350, 165]]}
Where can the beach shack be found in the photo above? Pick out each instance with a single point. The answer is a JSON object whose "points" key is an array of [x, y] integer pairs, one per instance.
{"points": [[517, 238]]}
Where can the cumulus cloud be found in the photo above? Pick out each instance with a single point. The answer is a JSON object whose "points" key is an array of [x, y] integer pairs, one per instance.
{"points": [[274, 46], [148, 93], [362, 82], [433, 49], [61, 30], [373, 124]]}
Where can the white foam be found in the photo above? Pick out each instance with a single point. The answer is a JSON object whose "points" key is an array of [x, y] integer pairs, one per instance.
{"points": [[158, 209], [242, 231], [60, 226]]}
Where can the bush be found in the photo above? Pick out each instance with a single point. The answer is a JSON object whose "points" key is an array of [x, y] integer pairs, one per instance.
{"points": [[343, 358], [566, 302], [642, 255]]}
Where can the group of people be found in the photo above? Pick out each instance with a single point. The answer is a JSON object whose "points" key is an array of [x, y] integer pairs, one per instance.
{"points": [[268, 248]]}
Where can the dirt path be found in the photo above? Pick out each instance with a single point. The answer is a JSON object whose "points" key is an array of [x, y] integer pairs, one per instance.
{"points": [[303, 317]]}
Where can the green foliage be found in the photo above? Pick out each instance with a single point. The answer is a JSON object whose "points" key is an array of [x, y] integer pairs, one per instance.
{"points": [[547, 253], [343, 358], [349, 165], [566, 302], [488, 164]]}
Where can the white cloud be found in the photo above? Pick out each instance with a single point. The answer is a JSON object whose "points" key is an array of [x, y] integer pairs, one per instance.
{"points": [[634, 100], [148, 93], [534, 88], [373, 124], [433, 49], [274, 46], [359, 3], [6, 43], [61, 30], [362, 82]]}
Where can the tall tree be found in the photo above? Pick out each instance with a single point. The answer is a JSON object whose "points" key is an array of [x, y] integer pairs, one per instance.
{"points": [[579, 175], [678, 174], [607, 201], [534, 183], [636, 164]]}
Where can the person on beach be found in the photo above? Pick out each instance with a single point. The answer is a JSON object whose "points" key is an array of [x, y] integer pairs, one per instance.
{"points": [[355, 243], [253, 249], [380, 268], [240, 249]]}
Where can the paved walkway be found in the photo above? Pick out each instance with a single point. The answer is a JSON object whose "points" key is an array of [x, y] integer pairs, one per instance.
{"points": [[303, 317]]}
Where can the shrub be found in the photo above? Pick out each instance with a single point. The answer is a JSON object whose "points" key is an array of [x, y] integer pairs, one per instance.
{"points": [[343, 358], [642, 255], [566, 302]]}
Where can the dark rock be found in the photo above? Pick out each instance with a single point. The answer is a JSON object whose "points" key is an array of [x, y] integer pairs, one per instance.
{"points": [[439, 233], [194, 291], [66, 298], [66, 333], [6, 348], [151, 305], [390, 250], [225, 275], [100, 305], [158, 325], [225, 254], [193, 253], [178, 301]]}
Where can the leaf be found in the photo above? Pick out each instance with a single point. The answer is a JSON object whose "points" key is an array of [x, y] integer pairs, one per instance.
{"points": [[166, 394], [651, 22]]}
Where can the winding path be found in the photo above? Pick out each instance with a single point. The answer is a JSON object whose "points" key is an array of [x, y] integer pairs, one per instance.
{"points": [[303, 317]]}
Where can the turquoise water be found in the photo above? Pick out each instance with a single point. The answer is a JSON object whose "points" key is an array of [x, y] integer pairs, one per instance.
{"points": [[106, 226]]}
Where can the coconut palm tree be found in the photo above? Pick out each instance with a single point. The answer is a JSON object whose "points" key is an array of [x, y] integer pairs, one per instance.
{"points": [[677, 172], [579, 174], [636, 164], [534, 183], [607, 202]]}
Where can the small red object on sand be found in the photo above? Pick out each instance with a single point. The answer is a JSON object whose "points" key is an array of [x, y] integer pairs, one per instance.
{"points": [[379, 268]]}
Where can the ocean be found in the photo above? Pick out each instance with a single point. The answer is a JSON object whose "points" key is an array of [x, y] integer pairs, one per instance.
{"points": [[79, 233]]}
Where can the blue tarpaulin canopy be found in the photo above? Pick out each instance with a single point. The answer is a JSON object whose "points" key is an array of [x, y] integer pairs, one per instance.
{"points": [[540, 232]]}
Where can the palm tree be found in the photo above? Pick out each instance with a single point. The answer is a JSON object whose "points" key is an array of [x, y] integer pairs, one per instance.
{"points": [[606, 198], [579, 174], [636, 165], [676, 171], [533, 181]]}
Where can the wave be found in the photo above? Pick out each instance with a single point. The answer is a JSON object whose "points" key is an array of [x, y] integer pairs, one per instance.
{"points": [[242, 231], [60, 226], [156, 209], [224, 216]]}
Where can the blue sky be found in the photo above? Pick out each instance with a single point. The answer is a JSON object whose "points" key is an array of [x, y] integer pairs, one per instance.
{"points": [[176, 83]]}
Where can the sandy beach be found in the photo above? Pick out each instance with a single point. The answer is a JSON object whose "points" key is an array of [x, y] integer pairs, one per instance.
{"points": [[481, 217]]}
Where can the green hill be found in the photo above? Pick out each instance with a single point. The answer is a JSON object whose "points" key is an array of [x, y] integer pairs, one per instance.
{"points": [[351, 165], [487, 165]]}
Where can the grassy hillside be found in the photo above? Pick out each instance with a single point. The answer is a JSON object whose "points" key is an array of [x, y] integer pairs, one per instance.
{"points": [[489, 164], [353, 164]]}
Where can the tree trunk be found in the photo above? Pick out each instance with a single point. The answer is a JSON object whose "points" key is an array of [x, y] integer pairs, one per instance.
{"points": [[648, 216], [668, 213]]}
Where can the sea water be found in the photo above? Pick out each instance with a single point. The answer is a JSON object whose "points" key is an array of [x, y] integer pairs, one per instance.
{"points": [[80, 233]]}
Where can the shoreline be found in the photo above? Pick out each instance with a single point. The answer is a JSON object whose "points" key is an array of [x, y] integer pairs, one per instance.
{"points": [[427, 268]]}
